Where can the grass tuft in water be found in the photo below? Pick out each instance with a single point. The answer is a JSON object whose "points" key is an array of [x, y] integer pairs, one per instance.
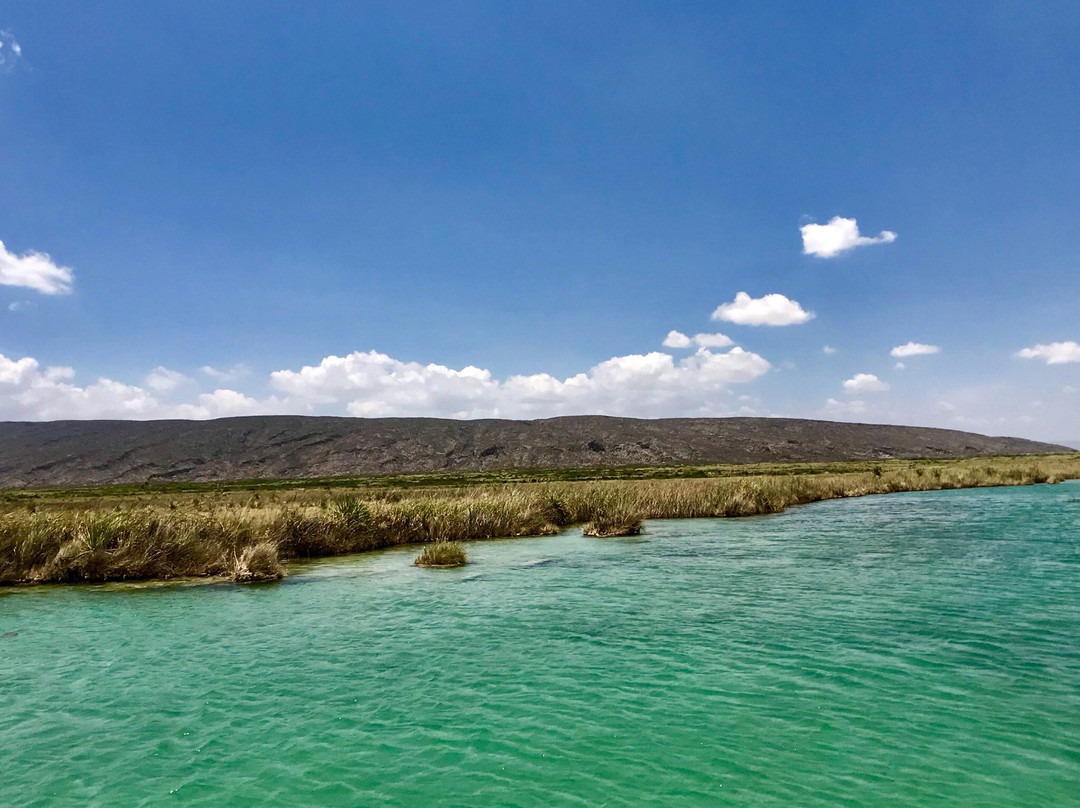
{"points": [[259, 562], [443, 554], [606, 525]]}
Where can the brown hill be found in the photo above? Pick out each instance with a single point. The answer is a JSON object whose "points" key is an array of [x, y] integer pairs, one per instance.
{"points": [[94, 452]]}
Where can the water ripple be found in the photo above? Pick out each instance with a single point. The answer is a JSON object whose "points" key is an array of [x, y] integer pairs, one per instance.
{"points": [[915, 649]]}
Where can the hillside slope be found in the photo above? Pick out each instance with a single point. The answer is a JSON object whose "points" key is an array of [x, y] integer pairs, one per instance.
{"points": [[95, 452]]}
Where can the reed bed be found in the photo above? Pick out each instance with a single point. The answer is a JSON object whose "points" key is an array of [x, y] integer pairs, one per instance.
{"points": [[162, 536]]}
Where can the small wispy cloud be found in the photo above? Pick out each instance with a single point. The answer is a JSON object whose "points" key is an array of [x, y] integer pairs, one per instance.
{"points": [[163, 380], [853, 407], [828, 350], [774, 309], [10, 51], [1053, 353], [34, 270], [237, 371], [839, 235], [914, 349]]}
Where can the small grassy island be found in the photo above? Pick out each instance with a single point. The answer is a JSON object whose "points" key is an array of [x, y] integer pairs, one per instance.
{"points": [[443, 554], [248, 531]]}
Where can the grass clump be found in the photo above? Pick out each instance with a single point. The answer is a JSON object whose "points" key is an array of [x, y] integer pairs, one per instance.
{"points": [[259, 562], [443, 554], [606, 524]]}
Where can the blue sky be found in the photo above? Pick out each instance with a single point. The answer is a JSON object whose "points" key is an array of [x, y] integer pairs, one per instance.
{"points": [[476, 209]]}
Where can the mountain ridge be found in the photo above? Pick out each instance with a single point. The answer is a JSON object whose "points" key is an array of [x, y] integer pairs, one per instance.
{"points": [[54, 453]]}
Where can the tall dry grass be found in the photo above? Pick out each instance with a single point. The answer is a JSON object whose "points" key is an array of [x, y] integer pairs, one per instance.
{"points": [[166, 537]]}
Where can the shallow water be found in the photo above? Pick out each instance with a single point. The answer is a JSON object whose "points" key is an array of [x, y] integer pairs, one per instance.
{"points": [[911, 649]]}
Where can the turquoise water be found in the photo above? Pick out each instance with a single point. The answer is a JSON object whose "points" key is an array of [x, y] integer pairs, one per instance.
{"points": [[912, 649]]}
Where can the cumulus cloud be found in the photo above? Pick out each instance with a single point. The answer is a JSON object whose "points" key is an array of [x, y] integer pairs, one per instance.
{"points": [[224, 403], [865, 383], [1054, 353], [713, 340], [914, 349], [374, 384], [10, 52], [29, 392], [34, 270], [900, 366], [677, 339], [771, 309], [828, 350], [839, 235], [163, 380]]}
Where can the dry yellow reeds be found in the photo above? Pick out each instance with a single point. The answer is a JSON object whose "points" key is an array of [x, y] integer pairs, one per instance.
{"points": [[160, 536]]}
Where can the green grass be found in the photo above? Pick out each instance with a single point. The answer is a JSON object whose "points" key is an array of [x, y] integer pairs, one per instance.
{"points": [[443, 554], [119, 533], [364, 485]]}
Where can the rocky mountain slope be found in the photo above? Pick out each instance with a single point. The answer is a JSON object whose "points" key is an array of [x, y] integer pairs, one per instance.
{"points": [[93, 452]]}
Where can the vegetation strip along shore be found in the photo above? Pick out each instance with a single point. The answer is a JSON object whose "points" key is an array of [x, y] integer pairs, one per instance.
{"points": [[247, 534]]}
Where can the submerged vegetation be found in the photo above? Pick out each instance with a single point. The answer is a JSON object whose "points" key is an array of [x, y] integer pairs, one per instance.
{"points": [[246, 534], [443, 554]]}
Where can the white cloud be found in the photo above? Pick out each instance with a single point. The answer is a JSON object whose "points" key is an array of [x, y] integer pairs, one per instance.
{"points": [[226, 403], [839, 235], [677, 339], [163, 380], [21, 305], [713, 340], [900, 366], [1054, 353], [771, 309], [373, 384], [10, 52], [828, 350], [237, 371], [853, 407], [34, 270], [29, 393], [865, 383], [914, 349]]}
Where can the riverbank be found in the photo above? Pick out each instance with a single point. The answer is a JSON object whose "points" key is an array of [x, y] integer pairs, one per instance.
{"points": [[86, 535]]}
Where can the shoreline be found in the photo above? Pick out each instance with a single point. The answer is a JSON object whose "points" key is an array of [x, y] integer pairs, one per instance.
{"points": [[159, 537]]}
